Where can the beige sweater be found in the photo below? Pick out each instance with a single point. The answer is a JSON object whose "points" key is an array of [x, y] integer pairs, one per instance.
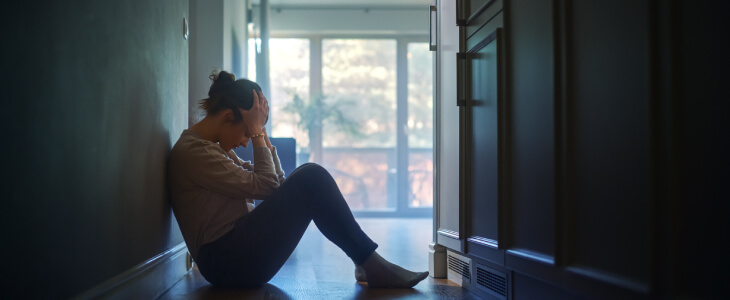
{"points": [[211, 189]]}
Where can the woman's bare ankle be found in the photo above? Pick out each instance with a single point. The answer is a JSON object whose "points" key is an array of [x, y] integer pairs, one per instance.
{"points": [[360, 274]]}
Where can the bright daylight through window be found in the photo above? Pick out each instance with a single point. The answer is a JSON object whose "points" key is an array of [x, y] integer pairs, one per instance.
{"points": [[351, 126]]}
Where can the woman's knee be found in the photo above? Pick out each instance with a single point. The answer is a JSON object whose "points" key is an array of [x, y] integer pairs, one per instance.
{"points": [[308, 169], [307, 176]]}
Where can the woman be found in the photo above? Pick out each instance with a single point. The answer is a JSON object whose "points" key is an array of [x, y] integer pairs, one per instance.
{"points": [[238, 246]]}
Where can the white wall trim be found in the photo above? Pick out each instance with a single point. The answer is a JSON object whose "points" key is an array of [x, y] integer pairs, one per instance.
{"points": [[437, 260]]}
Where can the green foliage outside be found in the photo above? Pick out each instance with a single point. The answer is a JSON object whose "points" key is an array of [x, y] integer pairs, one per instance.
{"points": [[314, 112]]}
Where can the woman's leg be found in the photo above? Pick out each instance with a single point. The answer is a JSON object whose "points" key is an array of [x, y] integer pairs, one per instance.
{"points": [[311, 191], [265, 238]]}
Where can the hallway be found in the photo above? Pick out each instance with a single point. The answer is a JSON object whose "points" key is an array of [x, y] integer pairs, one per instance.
{"points": [[319, 270], [578, 149]]}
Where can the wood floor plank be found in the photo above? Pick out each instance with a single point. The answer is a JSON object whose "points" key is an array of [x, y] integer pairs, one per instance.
{"points": [[319, 270]]}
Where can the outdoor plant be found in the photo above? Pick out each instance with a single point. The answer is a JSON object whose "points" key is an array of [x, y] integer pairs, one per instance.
{"points": [[315, 111]]}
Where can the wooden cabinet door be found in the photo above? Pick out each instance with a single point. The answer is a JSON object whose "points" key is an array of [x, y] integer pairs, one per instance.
{"points": [[470, 10], [483, 143], [481, 67]]}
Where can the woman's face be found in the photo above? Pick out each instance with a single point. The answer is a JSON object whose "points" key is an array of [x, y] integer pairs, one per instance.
{"points": [[233, 134]]}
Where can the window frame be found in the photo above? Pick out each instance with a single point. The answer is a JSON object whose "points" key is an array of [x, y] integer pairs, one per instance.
{"points": [[402, 208]]}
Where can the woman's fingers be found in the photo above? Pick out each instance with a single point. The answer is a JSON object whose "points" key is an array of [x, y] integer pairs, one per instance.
{"points": [[258, 114], [255, 99], [260, 100], [264, 101], [263, 98], [266, 106]]}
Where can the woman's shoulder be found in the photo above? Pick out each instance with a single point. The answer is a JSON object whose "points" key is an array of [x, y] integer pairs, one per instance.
{"points": [[191, 146]]}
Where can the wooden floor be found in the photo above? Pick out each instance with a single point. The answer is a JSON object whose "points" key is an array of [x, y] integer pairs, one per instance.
{"points": [[319, 270]]}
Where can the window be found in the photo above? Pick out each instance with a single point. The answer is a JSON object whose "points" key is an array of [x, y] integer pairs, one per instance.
{"points": [[359, 75], [360, 143], [289, 67], [420, 125]]}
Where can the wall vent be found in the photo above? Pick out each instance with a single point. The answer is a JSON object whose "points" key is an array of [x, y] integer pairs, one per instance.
{"points": [[492, 281], [458, 268]]}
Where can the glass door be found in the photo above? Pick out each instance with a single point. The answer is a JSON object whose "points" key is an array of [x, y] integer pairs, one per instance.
{"points": [[359, 83], [373, 128]]}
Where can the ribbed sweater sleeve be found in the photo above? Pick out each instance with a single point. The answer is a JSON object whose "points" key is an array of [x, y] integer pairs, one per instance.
{"points": [[213, 170]]}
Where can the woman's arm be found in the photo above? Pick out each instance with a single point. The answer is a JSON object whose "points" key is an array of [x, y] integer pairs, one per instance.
{"points": [[275, 156], [255, 118], [243, 163], [206, 164], [209, 168], [266, 140]]}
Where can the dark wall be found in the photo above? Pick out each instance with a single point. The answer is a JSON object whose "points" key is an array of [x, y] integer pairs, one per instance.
{"points": [[95, 93]]}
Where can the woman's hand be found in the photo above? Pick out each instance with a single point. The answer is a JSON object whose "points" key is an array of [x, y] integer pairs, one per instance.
{"points": [[255, 118]]}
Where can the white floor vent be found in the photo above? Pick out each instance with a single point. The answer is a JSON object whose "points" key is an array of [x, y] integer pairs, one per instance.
{"points": [[459, 268], [492, 281]]}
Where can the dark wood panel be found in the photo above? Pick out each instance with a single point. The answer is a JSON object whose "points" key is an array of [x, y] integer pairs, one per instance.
{"points": [[635, 158], [485, 249], [701, 230], [469, 9], [533, 267], [483, 32], [526, 287], [609, 140], [530, 80], [485, 14], [483, 158]]}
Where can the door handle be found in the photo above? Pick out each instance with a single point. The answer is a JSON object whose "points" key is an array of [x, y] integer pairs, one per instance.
{"points": [[431, 28], [463, 78]]}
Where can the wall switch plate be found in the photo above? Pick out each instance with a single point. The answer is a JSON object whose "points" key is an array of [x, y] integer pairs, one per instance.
{"points": [[185, 28]]}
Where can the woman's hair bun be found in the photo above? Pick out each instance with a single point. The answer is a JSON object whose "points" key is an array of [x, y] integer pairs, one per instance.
{"points": [[222, 77], [221, 82], [228, 93]]}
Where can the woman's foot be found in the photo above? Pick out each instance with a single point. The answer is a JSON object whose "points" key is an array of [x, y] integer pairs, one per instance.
{"points": [[381, 273]]}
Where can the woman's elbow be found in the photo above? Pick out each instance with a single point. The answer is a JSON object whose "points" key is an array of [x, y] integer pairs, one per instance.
{"points": [[266, 187], [274, 183]]}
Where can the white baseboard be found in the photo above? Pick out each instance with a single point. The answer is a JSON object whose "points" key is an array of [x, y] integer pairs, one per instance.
{"points": [[147, 280], [437, 260]]}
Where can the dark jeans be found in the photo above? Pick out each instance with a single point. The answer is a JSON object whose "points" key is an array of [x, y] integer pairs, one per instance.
{"points": [[262, 240]]}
